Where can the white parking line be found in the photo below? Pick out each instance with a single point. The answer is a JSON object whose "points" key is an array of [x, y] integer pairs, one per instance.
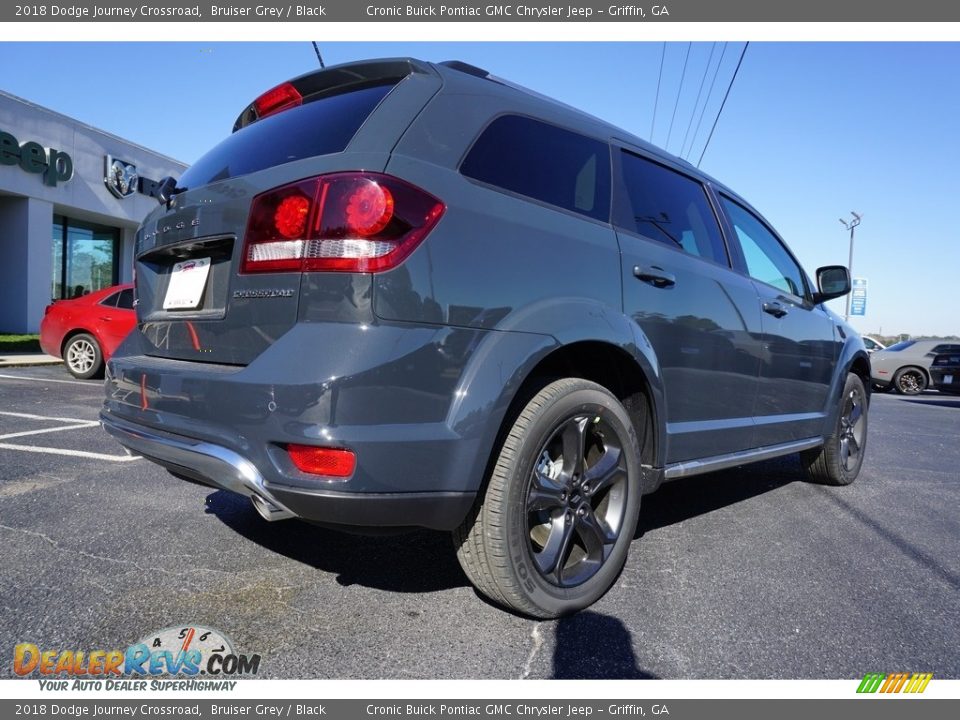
{"points": [[10, 436], [28, 416], [75, 424], [70, 453], [49, 380]]}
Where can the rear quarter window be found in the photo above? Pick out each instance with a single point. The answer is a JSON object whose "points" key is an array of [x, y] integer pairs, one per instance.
{"points": [[319, 127], [545, 162]]}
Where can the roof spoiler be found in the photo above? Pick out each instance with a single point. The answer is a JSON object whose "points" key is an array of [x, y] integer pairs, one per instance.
{"points": [[343, 78]]}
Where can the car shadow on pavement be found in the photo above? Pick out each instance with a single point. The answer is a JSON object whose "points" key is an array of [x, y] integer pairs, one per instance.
{"points": [[591, 646], [422, 561], [686, 498], [947, 402]]}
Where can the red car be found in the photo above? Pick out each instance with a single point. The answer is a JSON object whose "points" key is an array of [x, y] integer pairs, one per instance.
{"points": [[85, 331]]}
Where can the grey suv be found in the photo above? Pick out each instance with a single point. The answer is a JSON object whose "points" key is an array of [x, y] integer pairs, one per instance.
{"points": [[404, 294]]}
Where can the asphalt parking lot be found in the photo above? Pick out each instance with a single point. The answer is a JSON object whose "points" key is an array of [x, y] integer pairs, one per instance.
{"points": [[748, 573]]}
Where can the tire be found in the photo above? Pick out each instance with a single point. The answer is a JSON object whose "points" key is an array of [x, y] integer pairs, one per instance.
{"points": [[83, 357], [551, 533], [910, 381], [839, 460]]}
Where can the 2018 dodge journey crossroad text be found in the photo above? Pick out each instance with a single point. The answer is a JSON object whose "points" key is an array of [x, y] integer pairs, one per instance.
{"points": [[403, 294]]}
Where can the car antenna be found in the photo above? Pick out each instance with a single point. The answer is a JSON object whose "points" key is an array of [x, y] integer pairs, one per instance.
{"points": [[316, 49]]}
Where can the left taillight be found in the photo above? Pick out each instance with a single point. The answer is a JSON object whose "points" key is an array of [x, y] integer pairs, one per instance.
{"points": [[343, 222]]}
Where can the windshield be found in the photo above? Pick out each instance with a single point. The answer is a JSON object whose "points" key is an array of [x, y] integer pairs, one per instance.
{"points": [[901, 345]]}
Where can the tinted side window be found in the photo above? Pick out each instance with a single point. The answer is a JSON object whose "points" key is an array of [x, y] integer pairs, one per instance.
{"points": [[544, 162], [110, 300], [672, 208], [946, 348], [125, 299], [767, 260]]}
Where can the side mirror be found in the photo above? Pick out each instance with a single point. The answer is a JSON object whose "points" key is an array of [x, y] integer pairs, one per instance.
{"points": [[833, 281]]}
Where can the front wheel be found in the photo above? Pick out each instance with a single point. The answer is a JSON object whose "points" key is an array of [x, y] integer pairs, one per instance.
{"points": [[551, 532], [839, 460]]}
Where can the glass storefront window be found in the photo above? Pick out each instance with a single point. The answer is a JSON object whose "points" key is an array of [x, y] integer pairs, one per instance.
{"points": [[85, 257]]}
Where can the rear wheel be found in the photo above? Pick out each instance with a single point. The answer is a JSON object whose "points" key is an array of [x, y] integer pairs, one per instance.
{"points": [[910, 381], [552, 531], [82, 356], [839, 460]]}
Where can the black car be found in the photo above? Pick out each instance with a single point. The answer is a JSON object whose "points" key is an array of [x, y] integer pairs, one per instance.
{"points": [[405, 294], [945, 372]]}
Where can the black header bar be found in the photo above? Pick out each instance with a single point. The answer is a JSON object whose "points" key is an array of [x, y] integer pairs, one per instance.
{"points": [[331, 11]]}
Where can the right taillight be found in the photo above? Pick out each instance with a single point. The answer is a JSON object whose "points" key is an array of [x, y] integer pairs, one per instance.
{"points": [[345, 222]]}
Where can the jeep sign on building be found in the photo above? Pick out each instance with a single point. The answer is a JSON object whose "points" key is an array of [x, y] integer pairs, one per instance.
{"points": [[71, 197]]}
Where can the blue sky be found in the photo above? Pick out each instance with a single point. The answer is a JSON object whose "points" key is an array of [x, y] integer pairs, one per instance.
{"points": [[810, 131]]}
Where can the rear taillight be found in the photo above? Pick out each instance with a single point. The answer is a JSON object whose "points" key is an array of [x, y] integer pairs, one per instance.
{"points": [[346, 222], [274, 100]]}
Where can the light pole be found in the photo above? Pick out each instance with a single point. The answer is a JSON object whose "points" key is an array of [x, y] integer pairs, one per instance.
{"points": [[851, 226]]}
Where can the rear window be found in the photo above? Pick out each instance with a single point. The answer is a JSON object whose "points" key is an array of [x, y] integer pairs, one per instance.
{"points": [[544, 162], [901, 345], [319, 127]]}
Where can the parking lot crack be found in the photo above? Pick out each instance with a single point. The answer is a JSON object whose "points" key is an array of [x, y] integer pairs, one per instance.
{"points": [[535, 648], [105, 558]]}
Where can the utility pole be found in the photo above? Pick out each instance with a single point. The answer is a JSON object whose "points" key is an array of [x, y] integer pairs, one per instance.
{"points": [[851, 226]]}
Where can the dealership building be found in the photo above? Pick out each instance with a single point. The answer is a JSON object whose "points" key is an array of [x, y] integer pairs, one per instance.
{"points": [[71, 197]]}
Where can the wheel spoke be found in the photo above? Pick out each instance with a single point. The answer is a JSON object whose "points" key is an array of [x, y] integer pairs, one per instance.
{"points": [[856, 412], [545, 494], [604, 472], [574, 440], [845, 452], [853, 447], [596, 537], [551, 559]]}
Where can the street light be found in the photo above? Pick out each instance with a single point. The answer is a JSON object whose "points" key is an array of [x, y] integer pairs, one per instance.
{"points": [[851, 225]]}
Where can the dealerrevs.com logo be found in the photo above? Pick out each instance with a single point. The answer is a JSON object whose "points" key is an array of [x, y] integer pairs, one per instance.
{"points": [[175, 658]]}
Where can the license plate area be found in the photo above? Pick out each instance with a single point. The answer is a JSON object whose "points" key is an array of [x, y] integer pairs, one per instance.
{"points": [[947, 379], [165, 290], [188, 280]]}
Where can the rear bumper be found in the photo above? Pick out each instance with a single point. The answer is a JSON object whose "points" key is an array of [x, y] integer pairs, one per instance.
{"points": [[939, 374], [225, 469]]}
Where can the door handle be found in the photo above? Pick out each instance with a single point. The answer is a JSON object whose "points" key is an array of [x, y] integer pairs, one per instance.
{"points": [[105, 319], [656, 276], [775, 308]]}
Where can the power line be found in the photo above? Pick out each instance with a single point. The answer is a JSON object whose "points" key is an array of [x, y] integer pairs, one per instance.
{"points": [[706, 104], [679, 90], [729, 87], [696, 103], [656, 100]]}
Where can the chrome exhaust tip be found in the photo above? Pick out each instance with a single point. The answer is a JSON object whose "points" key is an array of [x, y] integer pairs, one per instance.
{"points": [[268, 511]]}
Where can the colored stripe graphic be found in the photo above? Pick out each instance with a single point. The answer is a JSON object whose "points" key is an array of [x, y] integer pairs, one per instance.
{"points": [[894, 683], [871, 682]]}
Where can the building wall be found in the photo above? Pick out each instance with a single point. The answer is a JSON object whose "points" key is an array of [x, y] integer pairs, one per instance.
{"points": [[28, 203]]}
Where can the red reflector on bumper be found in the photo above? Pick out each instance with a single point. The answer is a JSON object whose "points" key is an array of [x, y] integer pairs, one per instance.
{"points": [[332, 462]]}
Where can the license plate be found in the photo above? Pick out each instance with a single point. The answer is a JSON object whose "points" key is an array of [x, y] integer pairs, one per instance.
{"points": [[947, 379], [187, 281]]}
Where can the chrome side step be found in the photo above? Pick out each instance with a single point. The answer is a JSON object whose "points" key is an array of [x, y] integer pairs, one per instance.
{"points": [[688, 468]]}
